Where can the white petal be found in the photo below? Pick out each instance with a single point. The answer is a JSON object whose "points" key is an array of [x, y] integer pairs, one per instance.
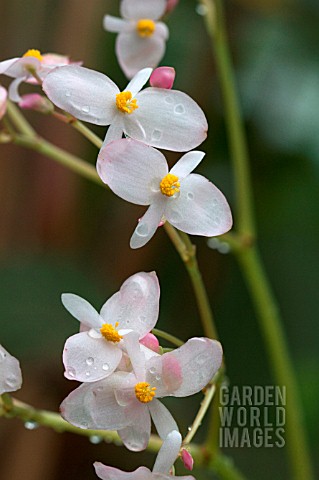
{"points": [[88, 359], [136, 305], [138, 81], [163, 420], [134, 52], [13, 91], [114, 132], [88, 95], [114, 24], [111, 473], [3, 101], [81, 310], [10, 373], [77, 408], [136, 9], [132, 170], [162, 30], [168, 453], [170, 119], [200, 208], [199, 360], [20, 67], [148, 224], [187, 164], [136, 436], [136, 355], [6, 64]]}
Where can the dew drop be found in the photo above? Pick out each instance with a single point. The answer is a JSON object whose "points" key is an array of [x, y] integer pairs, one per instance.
{"points": [[11, 381], [176, 216], [71, 372], [201, 359], [2, 356], [201, 10], [190, 196], [94, 333], [168, 100], [90, 361], [158, 377], [142, 230], [95, 439], [189, 428], [87, 374], [85, 109], [156, 135], [84, 425], [67, 93], [179, 109], [31, 425], [105, 367], [152, 370]]}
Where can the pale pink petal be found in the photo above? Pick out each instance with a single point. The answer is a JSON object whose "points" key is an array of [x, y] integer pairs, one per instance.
{"points": [[134, 52], [6, 64], [110, 473], [187, 164], [88, 95], [34, 101], [132, 346], [164, 373], [163, 77], [199, 359], [162, 30], [10, 373], [13, 91], [148, 224], [200, 208], [116, 25], [114, 132], [151, 342], [20, 67], [162, 418], [136, 9], [81, 310], [138, 81], [88, 359], [3, 101], [171, 120], [132, 170], [78, 406], [168, 453], [55, 59], [136, 436], [136, 306]]}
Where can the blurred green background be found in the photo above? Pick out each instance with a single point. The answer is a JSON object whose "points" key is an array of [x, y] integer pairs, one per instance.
{"points": [[59, 233]]}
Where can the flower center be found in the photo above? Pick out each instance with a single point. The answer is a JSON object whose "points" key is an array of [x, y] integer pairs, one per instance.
{"points": [[125, 103], [169, 185], [33, 53], [144, 392], [145, 27], [110, 333]]}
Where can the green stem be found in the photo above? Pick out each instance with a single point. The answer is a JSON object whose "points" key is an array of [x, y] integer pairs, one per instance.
{"points": [[66, 159], [22, 125], [187, 252], [167, 336], [209, 394], [80, 127]]}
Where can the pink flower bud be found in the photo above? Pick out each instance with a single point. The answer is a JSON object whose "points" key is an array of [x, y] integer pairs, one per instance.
{"points": [[171, 4], [151, 342], [187, 459], [3, 101], [34, 101], [163, 77]]}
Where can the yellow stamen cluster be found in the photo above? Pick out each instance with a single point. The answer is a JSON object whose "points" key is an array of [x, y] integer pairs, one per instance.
{"points": [[169, 185], [110, 333], [144, 393], [145, 27], [125, 103], [34, 53]]}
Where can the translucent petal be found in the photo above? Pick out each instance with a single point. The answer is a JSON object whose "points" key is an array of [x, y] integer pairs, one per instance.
{"points": [[139, 80], [81, 310], [136, 9], [162, 30], [132, 345], [148, 224], [200, 208], [170, 119], [77, 408], [13, 91], [199, 360], [88, 95], [10, 373], [3, 101], [111, 473], [88, 359], [116, 25], [6, 64], [136, 436], [187, 164], [114, 132], [163, 420], [168, 453], [134, 52], [20, 67], [136, 305], [132, 170]]}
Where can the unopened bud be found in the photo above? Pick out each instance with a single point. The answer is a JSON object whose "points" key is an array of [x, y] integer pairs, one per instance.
{"points": [[34, 101], [163, 77], [171, 4], [151, 342], [3, 101], [187, 459]]}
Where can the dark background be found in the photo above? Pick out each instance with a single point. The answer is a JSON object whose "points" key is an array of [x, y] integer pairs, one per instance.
{"points": [[59, 233]]}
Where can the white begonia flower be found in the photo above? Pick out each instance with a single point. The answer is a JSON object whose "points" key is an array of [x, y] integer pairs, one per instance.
{"points": [[23, 69], [95, 352], [10, 372], [164, 461], [126, 401], [163, 118], [139, 174], [141, 39]]}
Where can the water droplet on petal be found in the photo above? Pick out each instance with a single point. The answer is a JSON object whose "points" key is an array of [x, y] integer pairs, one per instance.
{"points": [[152, 370], [11, 381], [156, 135], [176, 216], [31, 425], [71, 372], [84, 425], [94, 333], [105, 367], [90, 361], [201, 359], [168, 100], [95, 439], [158, 377], [190, 196], [179, 109], [85, 109], [87, 374], [142, 230], [67, 93]]}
